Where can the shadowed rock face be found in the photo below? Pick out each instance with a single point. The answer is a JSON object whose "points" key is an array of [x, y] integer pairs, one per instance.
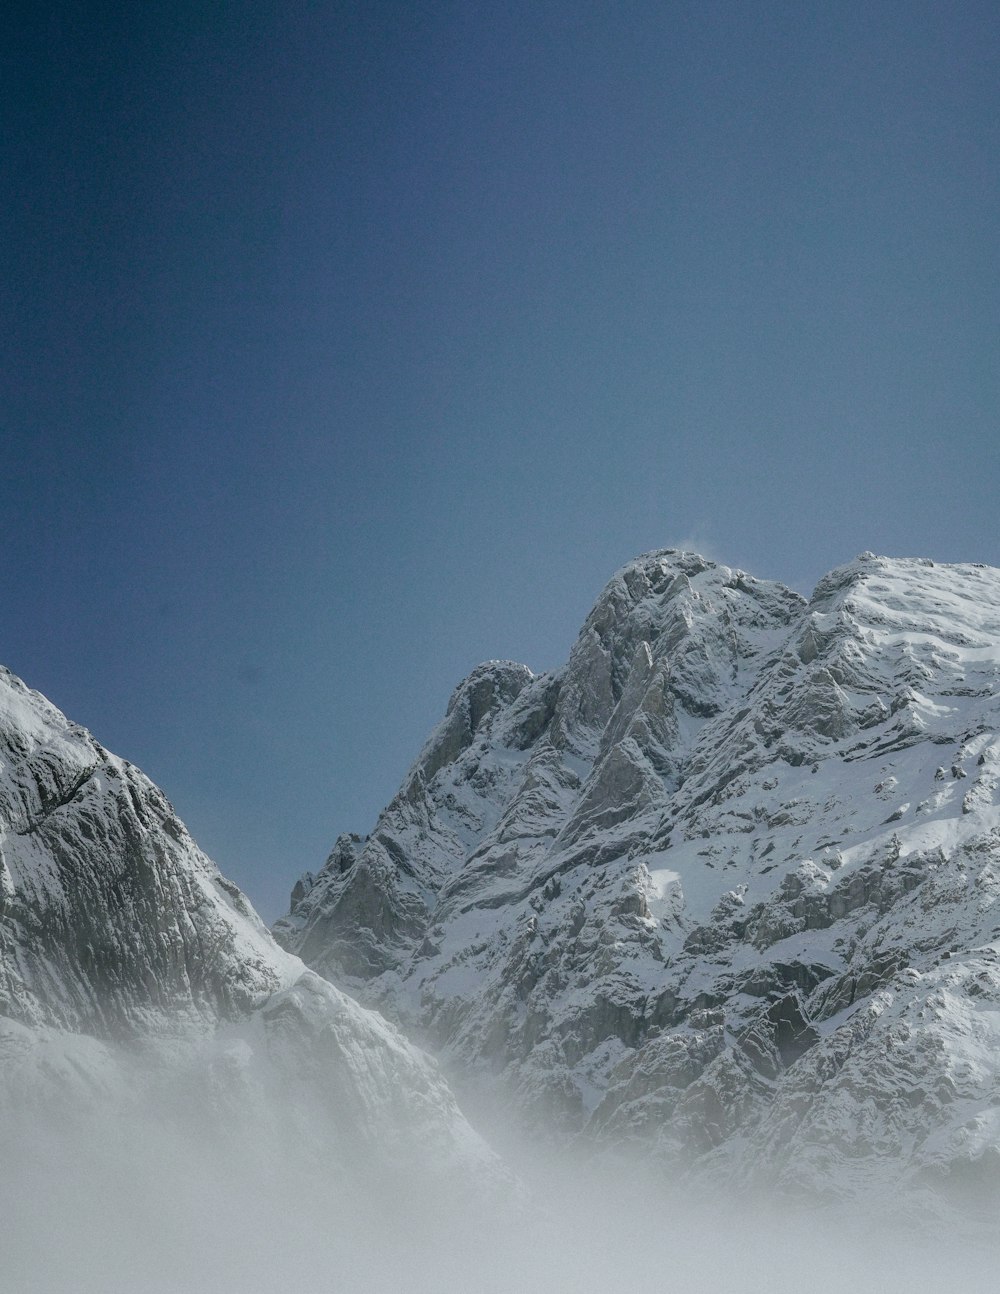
{"points": [[133, 974], [724, 886]]}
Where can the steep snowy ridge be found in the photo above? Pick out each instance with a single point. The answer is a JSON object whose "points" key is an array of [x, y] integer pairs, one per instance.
{"points": [[130, 969], [724, 887]]}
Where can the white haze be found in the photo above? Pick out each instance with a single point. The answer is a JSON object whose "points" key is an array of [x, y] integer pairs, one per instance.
{"points": [[160, 1203]]}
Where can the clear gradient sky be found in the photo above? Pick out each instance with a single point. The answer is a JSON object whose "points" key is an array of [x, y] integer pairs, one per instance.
{"points": [[349, 344]]}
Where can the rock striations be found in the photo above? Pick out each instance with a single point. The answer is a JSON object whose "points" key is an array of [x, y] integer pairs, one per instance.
{"points": [[726, 887], [133, 975]]}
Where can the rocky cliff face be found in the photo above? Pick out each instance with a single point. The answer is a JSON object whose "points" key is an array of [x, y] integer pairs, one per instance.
{"points": [[133, 974], [725, 887]]}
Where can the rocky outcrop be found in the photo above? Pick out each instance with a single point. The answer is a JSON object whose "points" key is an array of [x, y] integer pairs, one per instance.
{"points": [[724, 887]]}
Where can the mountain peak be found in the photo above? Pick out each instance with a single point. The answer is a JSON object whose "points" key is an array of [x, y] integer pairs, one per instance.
{"points": [[687, 871], [132, 972]]}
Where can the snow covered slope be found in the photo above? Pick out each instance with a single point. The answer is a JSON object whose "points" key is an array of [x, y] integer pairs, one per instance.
{"points": [[725, 887], [133, 975]]}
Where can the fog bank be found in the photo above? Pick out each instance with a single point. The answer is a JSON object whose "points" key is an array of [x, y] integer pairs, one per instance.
{"points": [[105, 1204]]}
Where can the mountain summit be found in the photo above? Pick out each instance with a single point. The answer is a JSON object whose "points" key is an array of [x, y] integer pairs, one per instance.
{"points": [[724, 887]]}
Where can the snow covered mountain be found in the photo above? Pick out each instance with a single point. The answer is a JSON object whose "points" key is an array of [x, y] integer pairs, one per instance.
{"points": [[138, 986], [724, 888]]}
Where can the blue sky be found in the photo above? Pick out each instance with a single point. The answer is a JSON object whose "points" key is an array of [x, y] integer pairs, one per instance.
{"points": [[347, 345]]}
